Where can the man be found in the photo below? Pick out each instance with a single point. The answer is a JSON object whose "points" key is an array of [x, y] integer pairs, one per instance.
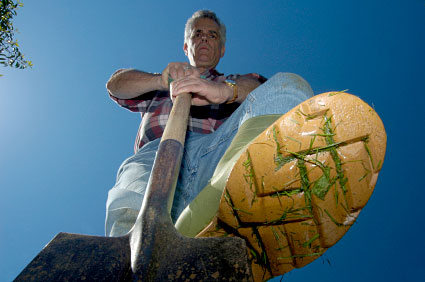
{"points": [[219, 108], [291, 192]]}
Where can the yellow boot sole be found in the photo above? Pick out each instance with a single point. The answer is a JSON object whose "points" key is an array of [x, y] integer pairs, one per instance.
{"points": [[300, 185]]}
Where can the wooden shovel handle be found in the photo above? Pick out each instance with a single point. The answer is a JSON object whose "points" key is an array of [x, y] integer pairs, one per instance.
{"points": [[177, 121]]}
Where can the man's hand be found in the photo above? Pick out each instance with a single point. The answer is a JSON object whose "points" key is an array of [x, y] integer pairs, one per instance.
{"points": [[175, 71], [130, 83], [187, 79], [204, 92]]}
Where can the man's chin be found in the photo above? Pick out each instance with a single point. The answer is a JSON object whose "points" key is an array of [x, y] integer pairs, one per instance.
{"points": [[204, 59], [204, 65], [207, 64]]}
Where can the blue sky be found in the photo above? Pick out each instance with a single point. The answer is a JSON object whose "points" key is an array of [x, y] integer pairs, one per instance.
{"points": [[62, 138]]}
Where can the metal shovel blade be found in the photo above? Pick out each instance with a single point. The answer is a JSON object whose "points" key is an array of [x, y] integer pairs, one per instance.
{"points": [[75, 257]]}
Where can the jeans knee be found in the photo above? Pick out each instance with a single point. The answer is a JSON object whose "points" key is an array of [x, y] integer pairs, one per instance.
{"points": [[287, 79]]}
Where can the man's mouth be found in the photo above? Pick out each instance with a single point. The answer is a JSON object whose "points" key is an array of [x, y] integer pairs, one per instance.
{"points": [[203, 48]]}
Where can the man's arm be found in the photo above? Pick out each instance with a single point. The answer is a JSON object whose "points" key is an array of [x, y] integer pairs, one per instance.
{"points": [[131, 83], [245, 86], [210, 92]]}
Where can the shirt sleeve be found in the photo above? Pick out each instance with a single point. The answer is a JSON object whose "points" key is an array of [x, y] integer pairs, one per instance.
{"points": [[140, 103]]}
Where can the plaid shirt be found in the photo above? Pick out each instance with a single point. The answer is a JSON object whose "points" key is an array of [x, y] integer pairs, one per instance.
{"points": [[155, 108]]}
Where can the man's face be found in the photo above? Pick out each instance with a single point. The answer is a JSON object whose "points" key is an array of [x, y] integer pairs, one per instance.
{"points": [[204, 48]]}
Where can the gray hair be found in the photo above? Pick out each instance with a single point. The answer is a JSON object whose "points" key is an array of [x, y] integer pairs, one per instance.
{"points": [[205, 14]]}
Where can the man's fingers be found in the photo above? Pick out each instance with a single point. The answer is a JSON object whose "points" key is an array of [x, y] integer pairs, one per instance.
{"points": [[192, 72], [199, 100], [196, 72], [187, 84], [204, 92], [188, 72], [176, 71], [180, 72]]}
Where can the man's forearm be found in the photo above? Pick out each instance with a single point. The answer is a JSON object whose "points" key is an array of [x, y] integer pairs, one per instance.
{"points": [[131, 83], [245, 86]]}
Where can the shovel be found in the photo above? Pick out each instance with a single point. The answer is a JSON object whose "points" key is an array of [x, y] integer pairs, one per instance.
{"points": [[153, 250]]}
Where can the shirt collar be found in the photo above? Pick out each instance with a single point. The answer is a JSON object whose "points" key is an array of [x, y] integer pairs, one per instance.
{"points": [[211, 74]]}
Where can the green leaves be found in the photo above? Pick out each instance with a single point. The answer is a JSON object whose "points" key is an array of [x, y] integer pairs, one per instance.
{"points": [[10, 56]]}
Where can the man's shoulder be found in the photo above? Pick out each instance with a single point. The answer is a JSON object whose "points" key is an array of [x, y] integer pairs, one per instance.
{"points": [[216, 75], [260, 78]]}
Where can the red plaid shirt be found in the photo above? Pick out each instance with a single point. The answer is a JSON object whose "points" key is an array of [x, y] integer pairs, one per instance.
{"points": [[155, 108]]}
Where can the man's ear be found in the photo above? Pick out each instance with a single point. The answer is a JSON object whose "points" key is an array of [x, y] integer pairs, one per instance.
{"points": [[223, 50], [185, 48]]}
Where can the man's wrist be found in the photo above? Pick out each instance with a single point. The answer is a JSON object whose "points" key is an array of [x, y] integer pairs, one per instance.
{"points": [[234, 87], [160, 82]]}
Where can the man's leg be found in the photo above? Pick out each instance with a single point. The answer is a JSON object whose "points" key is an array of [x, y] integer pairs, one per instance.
{"points": [[278, 95], [202, 153], [126, 197], [297, 188]]}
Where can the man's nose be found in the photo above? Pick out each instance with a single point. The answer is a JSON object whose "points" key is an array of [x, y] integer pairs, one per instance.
{"points": [[204, 37]]}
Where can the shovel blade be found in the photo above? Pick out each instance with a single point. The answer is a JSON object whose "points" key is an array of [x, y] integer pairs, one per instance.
{"points": [[74, 257], [195, 259], [161, 253]]}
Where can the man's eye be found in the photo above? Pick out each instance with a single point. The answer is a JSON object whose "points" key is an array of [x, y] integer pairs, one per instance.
{"points": [[213, 36], [196, 35]]}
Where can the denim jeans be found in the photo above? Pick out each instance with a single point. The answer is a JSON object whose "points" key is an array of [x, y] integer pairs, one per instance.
{"points": [[201, 154]]}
